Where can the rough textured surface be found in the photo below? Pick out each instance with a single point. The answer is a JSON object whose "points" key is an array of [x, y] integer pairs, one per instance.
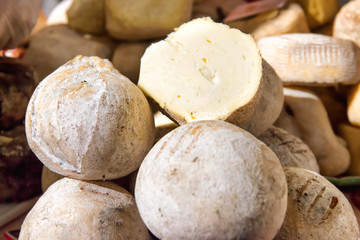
{"points": [[347, 22], [291, 150], [316, 209], [75, 209], [87, 16], [87, 121], [204, 71], [145, 19], [290, 19], [54, 45], [211, 180], [270, 103], [312, 59], [304, 116]]}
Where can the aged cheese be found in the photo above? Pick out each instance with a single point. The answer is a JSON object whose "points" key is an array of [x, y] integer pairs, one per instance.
{"points": [[145, 19], [211, 180], [290, 19], [351, 134], [72, 209], [202, 71], [312, 59], [305, 116], [316, 209], [347, 22], [353, 108]]}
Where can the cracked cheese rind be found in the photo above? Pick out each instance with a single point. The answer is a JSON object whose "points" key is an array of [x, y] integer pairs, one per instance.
{"points": [[211, 180], [87, 121], [312, 59], [203, 71]]}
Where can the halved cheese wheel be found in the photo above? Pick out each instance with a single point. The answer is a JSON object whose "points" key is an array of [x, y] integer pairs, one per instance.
{"points": [[203, 71], [312, 59]]}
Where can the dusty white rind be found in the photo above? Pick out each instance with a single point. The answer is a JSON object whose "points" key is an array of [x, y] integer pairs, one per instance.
{"points": [[145, 19], [211, 180], [75, 209], [312, 59], [87, 121], [353, 105], [291, 150], [316, 209], [270, 103], [347, 22], [204, 71], [305, 116]]}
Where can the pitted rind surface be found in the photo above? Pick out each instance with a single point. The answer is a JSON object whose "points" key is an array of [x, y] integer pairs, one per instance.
{"points": [[87, 121], [211, 180]]}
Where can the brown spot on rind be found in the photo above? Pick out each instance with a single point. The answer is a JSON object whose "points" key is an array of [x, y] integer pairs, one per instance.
{"points": [[334, 202], [195, 129]]}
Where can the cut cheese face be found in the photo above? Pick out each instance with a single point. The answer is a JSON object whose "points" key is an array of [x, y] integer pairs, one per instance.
{"points": [[312, 59], [202, 71]]}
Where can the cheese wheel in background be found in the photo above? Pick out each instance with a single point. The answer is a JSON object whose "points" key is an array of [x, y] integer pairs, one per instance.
{"points": [[87, 121], [290, 19], [87, 16], [352, 135], [75, 209], [291, 150], [319, 12], [316, 209], [312, 59], [54, 45], [211, 180], [126, 58], [145, 19], [305, 116], [58, 13], [204, 71], [353, 105], [347, 22]]}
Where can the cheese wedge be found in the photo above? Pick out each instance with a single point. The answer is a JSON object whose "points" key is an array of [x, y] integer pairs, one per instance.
{"points": [[290, 19], [347, 22], [203, 71], [312, 59]]}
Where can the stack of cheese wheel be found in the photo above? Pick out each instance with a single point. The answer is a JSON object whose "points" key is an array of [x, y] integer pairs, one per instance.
{"points": [[219, 169]]}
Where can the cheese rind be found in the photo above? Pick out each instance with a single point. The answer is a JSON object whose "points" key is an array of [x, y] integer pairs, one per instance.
{"points": [[312, 59], [202, 71]]}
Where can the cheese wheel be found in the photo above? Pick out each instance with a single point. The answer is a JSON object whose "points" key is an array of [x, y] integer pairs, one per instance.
{"points": [[145, 19], [353, 105], [87, 16], [351, 134], [75, 209], [312, 59], [290, 19], [316, 209], [305, 116], [211, 180], [87, 121], [203, 71], [347, 22]]}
